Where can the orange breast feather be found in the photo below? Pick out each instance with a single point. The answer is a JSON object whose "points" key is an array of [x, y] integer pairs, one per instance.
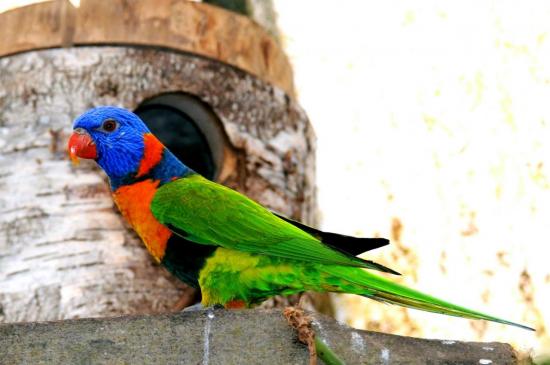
{"points": [[134, 202]]}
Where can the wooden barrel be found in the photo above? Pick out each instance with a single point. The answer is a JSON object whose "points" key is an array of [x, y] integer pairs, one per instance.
{"points": [[65, 252]]}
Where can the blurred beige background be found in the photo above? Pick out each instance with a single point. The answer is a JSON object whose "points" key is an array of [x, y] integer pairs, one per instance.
{"points": [[433, 126], [433, 129]]}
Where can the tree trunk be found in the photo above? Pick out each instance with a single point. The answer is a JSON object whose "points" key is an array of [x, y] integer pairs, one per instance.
{"points": [[64, 250]]}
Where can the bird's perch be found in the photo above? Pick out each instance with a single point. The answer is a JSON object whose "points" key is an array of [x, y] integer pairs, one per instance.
{"points": [[224, 337]]}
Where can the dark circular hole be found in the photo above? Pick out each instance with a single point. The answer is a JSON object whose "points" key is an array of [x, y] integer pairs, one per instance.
{"points": [[180, 133]]}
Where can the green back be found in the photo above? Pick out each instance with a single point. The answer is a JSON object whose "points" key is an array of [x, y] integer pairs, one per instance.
{"points": [[212, 214]]}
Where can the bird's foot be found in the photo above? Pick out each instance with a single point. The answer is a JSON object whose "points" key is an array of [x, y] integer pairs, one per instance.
{"points": [[193, 308], [199, 307]]}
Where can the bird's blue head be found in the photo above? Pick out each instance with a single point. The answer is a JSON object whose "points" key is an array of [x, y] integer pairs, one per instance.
{"points": [[123, 146], [113, 136]]}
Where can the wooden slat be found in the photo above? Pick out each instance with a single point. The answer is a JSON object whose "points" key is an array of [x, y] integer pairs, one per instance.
{"points": [[179, 25]]}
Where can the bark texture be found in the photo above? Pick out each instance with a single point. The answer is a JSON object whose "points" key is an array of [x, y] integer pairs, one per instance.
{"points": [[181, 25], [64, 249], [226, 337]]}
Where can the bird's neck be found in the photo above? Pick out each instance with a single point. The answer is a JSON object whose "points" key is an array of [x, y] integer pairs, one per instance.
{"points": [[157, 163]]}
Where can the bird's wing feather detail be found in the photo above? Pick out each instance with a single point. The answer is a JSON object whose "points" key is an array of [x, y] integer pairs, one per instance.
{"points": [[209, 213], [351, 245]]}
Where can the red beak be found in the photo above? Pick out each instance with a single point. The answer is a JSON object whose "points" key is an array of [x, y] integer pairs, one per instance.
{"points": [[81, 145]]}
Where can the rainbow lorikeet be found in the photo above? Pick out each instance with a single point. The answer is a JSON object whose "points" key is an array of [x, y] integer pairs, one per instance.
{"points": [[215, 238]]}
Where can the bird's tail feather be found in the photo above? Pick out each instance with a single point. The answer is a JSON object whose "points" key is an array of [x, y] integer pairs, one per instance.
{"points": [[379, 288]]}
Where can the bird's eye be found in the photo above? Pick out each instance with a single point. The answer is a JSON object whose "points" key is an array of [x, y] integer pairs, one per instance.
{"points": [[109, 125]]}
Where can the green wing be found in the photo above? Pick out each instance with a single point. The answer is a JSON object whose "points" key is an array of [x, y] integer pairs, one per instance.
{"points": [[208, 213]]}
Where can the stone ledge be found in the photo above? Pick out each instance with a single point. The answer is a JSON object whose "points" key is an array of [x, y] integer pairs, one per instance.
{"points": [[223, 337]]}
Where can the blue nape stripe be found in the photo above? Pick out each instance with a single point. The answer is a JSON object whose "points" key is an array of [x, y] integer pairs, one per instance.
{"points": [[165, 171]]}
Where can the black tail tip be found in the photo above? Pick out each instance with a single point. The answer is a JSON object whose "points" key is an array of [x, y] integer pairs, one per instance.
{"points": [[525, 327], [390, 271]]}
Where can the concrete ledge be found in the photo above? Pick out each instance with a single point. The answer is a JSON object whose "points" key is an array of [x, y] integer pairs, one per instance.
{"points": [[223, 337]]}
